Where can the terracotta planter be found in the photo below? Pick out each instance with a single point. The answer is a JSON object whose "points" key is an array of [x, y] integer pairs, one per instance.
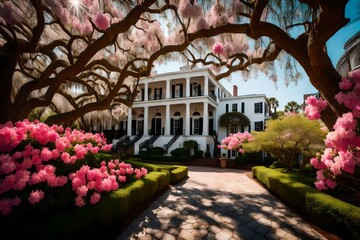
{"points": [[223, 162]]}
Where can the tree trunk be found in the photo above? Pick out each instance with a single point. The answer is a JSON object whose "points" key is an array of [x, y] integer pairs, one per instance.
{"points": [[7, 68]]}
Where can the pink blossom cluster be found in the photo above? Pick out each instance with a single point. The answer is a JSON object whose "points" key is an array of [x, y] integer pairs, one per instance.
{"points": [[234, 141], [342, 153], [29, 152], [90, 182], [218, 48], [314, 107]]}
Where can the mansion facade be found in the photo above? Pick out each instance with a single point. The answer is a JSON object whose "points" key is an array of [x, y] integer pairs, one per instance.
{"points": [[186, 105]]}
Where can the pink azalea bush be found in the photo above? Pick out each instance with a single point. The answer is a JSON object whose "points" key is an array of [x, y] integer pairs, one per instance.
{"points": [[234, 141], [314, 106], [342, 153], [37, 159]]}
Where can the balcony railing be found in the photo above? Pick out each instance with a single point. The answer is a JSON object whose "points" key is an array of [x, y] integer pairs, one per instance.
{"points": [[163, 96]]}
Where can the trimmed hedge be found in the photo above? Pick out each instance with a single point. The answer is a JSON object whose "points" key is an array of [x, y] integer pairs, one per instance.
{"points": [[176, 172], [327, 210]]}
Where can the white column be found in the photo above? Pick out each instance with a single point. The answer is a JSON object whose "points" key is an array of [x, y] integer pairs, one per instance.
{"points": [[167, 89], [206, 86], [146, 91], [187, 87], [215, 121], [146, 121], [129, 119], [206, 120], [167, 120], [187, 120]]}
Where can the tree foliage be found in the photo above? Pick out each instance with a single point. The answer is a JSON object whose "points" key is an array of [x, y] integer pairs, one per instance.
{"points": [[233, 118], [82, 58], [288, 137], [292, 107]]}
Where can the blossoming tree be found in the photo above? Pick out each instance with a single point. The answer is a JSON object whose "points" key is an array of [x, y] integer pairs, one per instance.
{"points": [[340, 162], [78, 56]]}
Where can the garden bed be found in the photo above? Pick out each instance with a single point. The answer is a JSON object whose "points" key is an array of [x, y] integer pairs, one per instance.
{"points": [[92, 220], [329, 212]]}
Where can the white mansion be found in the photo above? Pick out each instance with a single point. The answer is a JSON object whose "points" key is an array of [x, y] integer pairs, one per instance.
{"points": [[186, 105]]}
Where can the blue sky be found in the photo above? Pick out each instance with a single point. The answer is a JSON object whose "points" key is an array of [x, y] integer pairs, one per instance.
{"points": [[294, 92]]}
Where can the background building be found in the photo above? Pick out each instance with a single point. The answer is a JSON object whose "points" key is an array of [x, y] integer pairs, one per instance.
{"points": [[186, 105]]}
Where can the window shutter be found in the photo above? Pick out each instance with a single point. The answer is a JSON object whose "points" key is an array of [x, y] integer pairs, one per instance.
{"points": [[242, 107], [160, 89], [262, 125], [227, 108], [261, 107], [199, 90], [191, 90], [249, 127], [181, 126], [172, 126], [200, 126], [173, 91], [181, 90], [142, 94], [152, 131], [133, 127], [191, 123]]}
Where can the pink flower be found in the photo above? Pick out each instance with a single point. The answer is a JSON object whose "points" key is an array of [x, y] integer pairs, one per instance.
{"points": [[36, 196], [320, 185], [82, 191], [79, 201], [102, 21], [218, 48], [95, 198], [46, 154]]}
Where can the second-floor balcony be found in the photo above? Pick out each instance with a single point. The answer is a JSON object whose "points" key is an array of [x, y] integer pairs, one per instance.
{"points": [[154, 97]]}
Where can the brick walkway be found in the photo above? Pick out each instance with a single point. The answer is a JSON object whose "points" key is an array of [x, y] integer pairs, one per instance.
{"points": [[218, 204]]}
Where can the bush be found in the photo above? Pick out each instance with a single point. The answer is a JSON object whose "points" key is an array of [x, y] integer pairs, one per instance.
{"points": [[178, 174], [199, 154], [242, 159], [278, 164], [156, 151], [180, 152], [191, 144], [269, 161], [207, 154], [340, 216], [254, 157]]}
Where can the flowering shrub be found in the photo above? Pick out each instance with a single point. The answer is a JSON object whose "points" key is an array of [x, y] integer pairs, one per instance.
{"points": [[314, 107], [49, 165], [234, 141], [341, 156]]}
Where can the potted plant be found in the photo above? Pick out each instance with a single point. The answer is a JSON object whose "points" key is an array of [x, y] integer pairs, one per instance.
{"points": [[223, 160]]}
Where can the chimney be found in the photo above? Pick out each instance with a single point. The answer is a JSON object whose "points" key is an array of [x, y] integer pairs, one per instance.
{"points": [[235, 91]]}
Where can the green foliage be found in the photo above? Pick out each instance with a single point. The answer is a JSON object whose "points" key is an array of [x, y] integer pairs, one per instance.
{"points": [[191, 144], [178, 174], [207, 154], [199, 153], [339, 216], [278, 164], [242, 159], [268, 161], [233, 118], [156, 151], [180, 152], [286, 138]]}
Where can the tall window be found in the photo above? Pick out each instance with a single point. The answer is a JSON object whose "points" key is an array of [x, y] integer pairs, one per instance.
{"points": [[177, 90], [259, 126], [195, 89], [234, 107], [242, 107], [258, 107], [157, 93], [196, 126]]}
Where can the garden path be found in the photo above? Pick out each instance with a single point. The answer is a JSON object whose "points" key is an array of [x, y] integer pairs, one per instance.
{"points": [[218, 204]]}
